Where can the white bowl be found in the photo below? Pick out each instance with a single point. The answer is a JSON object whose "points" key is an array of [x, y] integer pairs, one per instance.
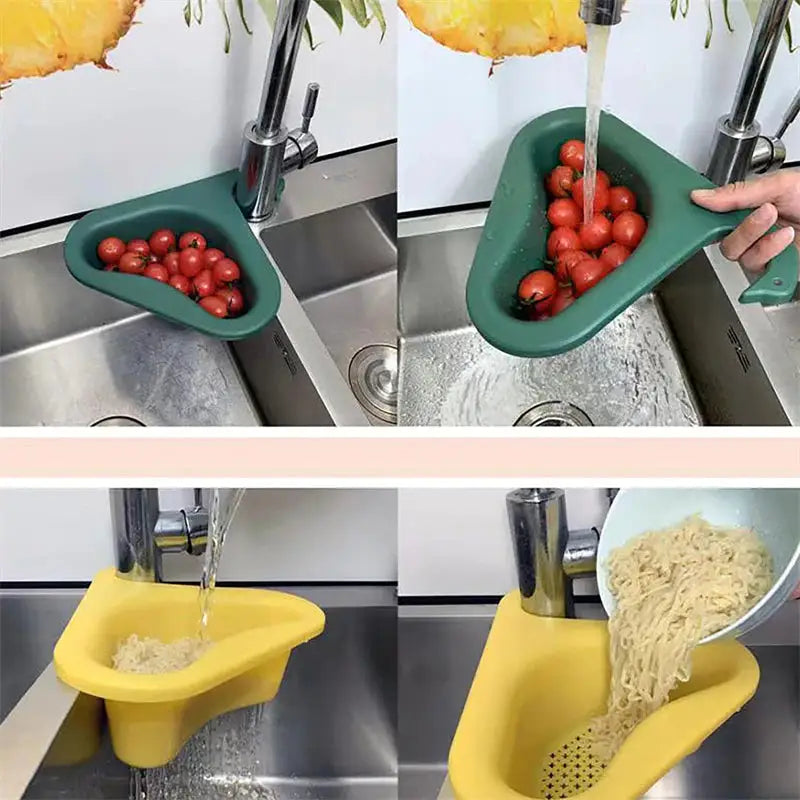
{"points": [[774, 514]]}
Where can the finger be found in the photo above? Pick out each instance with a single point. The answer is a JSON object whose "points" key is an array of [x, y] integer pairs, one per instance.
{"points": [[739, 241], [743, 194], [766, 248]]}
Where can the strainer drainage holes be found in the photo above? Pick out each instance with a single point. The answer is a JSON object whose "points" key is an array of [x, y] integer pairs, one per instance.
{"points": [[373, 379], [554, 414], [118, 421]]}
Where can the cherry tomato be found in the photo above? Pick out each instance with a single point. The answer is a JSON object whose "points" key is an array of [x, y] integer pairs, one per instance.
{"points": [[621, 198], [110, 268], [132, 264], [562, 239], [596, 233], [565, 261], [600, 195], [226, 271], [190, 262], [215, 305], [140, 247], [564, 298], [212, 255], [560, 181], [110, 250], [573, 154], [614, 255], [564, 213], [538, 289], [157, 272], [181, 283], [602, 177], [172, 261], [233, 300], [588, 273], [204, 283], [153, 258], [162, 241], [192, 239], [629, 228]]}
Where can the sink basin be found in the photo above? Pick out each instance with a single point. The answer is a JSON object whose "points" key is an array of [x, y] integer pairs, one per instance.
{"points": [[72, 356], [674, 358], [330, 733], [753, 756]]}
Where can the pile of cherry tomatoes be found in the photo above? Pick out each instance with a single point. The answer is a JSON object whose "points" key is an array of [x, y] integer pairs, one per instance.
{"points": [[205, 274], [579, 254]]}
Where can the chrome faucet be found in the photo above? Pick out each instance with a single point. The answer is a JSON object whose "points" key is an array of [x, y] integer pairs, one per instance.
{"points": [[738, 148], [269, 150], [142, 532], [601, 12], [547, 554]]}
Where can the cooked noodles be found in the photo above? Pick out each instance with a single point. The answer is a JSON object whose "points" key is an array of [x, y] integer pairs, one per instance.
{"points": [[151, 656], [672, 588]]}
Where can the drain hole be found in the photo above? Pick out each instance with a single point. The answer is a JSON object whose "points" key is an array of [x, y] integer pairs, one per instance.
{"points": [[554, 414], [373, 379], [118, 421]]}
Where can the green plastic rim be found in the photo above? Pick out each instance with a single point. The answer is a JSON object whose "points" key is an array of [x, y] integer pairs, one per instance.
{"points": [[206, 206], [514, 237]]}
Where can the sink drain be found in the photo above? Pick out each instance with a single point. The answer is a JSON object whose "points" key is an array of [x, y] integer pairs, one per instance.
{"points": [[554, 414], [119, 421], [373, 379]]}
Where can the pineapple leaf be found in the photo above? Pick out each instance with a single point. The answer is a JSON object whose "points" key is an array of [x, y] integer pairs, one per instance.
{"points": [[726, 14], [357, 10], [333, 8], [377, 12], [198, 14], [221, 4], [710, 28], [240, 6], [673, 8], [187, 13]]}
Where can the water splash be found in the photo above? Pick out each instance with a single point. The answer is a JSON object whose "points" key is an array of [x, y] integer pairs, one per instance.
{"points": [[596, 48]]}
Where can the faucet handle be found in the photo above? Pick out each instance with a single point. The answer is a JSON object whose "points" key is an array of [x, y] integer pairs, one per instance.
{"points": [[789, 117], [309, 105]]}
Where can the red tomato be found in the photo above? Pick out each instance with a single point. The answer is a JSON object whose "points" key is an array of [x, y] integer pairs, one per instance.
{"points": [[226, 271], [629, 228], [172, 261], [564, 213], [565, 261], [596, 233], [110, 250], [233, 300], [157, 272], [573, 154], [560, 181], [204, 284], [192, 239], [621, 198], [614, 255], [162, 241], [140, 247], [110, 268], [190, 262], [181, 283], [602, 177], [132, 264], [600, 195], [212, 255], [564, 297], [152, 258], [215, 305], [537, 289], [562, 239], [588, 273]]}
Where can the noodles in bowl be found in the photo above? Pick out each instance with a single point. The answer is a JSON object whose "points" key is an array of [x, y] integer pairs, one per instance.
{"points": [[672, 589]]}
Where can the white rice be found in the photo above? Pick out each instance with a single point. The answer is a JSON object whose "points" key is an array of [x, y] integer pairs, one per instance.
{"points": [[150, 656]]}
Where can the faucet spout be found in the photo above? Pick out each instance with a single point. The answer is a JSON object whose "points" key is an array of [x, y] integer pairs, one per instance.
{"points": [[601, 12]]}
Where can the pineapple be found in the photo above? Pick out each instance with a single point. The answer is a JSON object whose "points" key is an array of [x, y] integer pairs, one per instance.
{"points": [[38, 37], [499, 28]]}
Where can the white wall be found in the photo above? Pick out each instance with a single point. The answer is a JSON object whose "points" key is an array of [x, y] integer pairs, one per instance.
{"points": [[455, 123], [174, 107], [457, 542], [277, 535]]}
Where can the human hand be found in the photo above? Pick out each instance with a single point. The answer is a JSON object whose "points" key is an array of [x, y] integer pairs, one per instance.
{"points": [[796, 592], [776, 198]]}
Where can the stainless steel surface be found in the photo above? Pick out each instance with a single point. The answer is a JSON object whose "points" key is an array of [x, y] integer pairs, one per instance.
{"points": [[142, 533], [580, 556], [601, 12], [269, 151], [790, 115], [554, 414], [768, 155], [629, 374], [330, 734], [373, 379], [753, 756], [737, 133]]}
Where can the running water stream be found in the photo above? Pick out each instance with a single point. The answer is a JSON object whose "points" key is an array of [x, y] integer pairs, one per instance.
{"points": [[596, 47]]}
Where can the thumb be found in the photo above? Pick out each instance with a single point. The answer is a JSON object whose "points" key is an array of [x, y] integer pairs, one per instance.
{"points": [[735, 196]]}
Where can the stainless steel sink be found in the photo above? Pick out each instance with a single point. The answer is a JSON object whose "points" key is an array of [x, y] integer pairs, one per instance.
{"points": [[673, 358], [753, 756], [72, 356], [330, 734]]}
